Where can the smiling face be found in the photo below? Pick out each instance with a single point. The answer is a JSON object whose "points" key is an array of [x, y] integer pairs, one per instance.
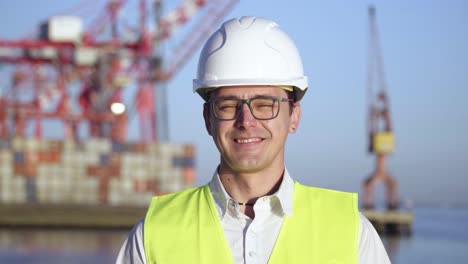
{"points": [[248, 145]]}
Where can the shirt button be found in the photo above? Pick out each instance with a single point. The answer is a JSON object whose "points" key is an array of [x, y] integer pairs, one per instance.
{"points": [[252, 254], [265, 199]]}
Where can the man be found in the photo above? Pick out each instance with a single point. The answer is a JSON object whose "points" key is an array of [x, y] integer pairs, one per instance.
{"points": [[250, 74]]}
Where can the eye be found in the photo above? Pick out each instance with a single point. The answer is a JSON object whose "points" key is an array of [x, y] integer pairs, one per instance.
{"points": [[263, 103], [226, 105]]}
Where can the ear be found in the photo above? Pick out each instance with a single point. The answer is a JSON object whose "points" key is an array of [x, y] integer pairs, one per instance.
{"points": [[207, 117], [295, 117]]}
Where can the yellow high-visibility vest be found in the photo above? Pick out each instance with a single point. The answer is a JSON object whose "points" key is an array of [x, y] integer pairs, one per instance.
{"points": [[184, 227]]}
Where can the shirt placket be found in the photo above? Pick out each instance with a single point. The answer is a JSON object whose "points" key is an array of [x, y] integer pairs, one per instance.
{"points": [[251, 244], [253, 235]]}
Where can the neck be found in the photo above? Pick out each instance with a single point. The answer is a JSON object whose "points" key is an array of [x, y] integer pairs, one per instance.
{"points": [[248, 187]]}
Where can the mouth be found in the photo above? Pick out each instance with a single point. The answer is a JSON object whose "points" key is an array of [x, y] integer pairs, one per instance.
{"points": [[247, 140]]}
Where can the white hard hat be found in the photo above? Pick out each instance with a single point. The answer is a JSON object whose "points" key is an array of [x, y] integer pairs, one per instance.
{"points": [[249, 51]]}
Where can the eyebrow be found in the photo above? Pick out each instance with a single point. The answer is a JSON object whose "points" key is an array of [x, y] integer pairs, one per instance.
{"points": [[254, 96]]}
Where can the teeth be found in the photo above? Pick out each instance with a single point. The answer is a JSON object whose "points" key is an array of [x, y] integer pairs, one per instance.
{"points": [[247, 140]]}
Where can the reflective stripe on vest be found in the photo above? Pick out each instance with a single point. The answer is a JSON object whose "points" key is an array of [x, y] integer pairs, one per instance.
{"points": [[184, 227]]}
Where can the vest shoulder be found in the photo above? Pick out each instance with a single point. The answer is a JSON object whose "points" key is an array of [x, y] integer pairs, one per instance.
{"points": [[181, 193], [312, 189], [184, 194], [327, 196]]}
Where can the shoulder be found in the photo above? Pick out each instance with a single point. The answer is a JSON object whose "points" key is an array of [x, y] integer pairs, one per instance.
{"points": [[132, 250], [172, 209], [371, 248], [301, 186], [166, 203], [185, 194], [327, 195]]}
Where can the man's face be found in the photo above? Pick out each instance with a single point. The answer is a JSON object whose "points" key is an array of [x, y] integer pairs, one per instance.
{"points": [[248, 145]]}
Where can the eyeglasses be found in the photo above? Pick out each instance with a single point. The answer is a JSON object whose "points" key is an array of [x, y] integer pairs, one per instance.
{"points": [[262, 107]]}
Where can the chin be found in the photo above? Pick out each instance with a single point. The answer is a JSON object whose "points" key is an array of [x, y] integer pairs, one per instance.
{"points": [[246, 166]]}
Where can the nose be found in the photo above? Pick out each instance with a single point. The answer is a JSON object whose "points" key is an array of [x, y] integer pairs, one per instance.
{"points": [[245, 117]]}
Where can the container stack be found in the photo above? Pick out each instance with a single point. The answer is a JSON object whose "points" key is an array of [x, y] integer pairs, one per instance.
{"points": [[93, 172]]}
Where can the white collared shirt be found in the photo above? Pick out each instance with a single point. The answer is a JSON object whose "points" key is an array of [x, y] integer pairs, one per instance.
{"points": [[251, 241]]}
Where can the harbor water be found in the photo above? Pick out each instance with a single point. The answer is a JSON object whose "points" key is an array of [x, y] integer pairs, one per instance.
{"points": [[440, 235]]}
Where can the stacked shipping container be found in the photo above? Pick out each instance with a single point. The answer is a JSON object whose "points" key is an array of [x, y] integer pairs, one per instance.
{"points": [[92, 172]]}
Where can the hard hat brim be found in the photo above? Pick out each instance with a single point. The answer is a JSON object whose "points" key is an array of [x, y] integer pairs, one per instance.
{"points": [[204, 87]]}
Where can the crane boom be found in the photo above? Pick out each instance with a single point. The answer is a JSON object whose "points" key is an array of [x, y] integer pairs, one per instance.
{"points": [[102, 63]]}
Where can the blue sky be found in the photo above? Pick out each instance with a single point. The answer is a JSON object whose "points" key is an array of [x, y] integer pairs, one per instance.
{"points": [[426, 64]]}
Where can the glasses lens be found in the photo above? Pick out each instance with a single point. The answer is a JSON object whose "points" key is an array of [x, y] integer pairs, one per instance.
{"points": [[225, 108], [264, 108]]}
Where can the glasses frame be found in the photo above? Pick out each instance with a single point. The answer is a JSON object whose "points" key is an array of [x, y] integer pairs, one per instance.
{"points": [[241, 103]]}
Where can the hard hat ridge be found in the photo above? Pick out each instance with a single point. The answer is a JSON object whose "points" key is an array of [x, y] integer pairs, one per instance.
{"points": [[249, 51]]}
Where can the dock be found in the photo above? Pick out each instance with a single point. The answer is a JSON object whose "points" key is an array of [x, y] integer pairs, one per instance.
{"points": [[58, 216], [391, 222], [124, 217]]}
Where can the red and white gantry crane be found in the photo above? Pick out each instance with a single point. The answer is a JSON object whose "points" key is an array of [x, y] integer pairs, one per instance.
{"points": [[100, 62]]}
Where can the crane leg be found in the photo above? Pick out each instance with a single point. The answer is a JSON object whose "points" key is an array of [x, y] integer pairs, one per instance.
{"points": [[368, 191], [391, 187], [392, 193]]}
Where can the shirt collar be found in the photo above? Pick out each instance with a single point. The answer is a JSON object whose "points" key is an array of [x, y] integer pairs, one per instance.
{"points": [[221, 197]]}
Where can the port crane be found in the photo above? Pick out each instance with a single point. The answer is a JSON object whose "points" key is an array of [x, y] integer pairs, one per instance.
{"points": [[381, 140], [101, 61]]}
